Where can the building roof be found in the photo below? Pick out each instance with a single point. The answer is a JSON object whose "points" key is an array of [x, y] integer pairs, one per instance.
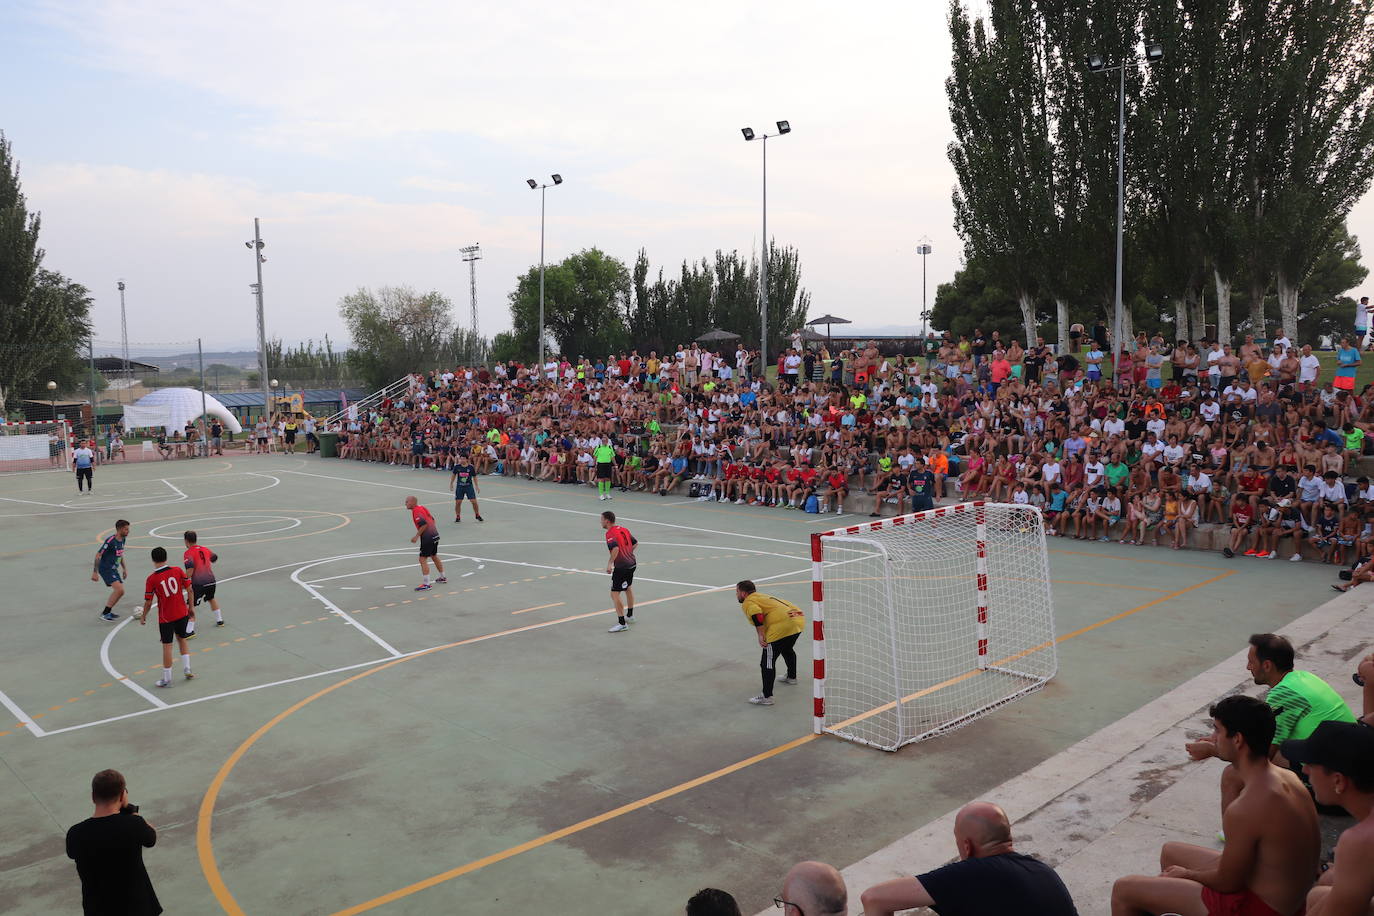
{"points": [[308, 395], [116, 364]]}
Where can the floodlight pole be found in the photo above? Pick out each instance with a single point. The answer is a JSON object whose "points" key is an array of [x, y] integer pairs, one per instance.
{"points": [[204, 427], [542, 187], [262, 328], [763, 278], [923, 249], [1120, 221], [124, 335]]}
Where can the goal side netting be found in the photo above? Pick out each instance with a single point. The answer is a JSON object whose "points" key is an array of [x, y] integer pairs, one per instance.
{"points": [[34, 446], [924, 622]]}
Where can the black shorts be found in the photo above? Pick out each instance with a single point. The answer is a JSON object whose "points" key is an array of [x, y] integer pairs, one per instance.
{"points": [[175, 628], [290, 437], [203, 593], [622, 577], [429, 546], [603, 470]]}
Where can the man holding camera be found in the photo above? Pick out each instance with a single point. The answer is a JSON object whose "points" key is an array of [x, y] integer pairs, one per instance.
{"points": [[108, 850]]}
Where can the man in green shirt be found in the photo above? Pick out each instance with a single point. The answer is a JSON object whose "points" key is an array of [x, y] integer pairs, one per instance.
{"points": [[1301, 701], [604, 455], [1117, 472]]}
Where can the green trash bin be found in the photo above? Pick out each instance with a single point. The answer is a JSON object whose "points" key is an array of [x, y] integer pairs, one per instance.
{"points": [[329, 445]]}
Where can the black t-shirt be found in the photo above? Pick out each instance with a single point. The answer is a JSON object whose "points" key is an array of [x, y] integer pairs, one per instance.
{"points": [[1279, 487], [464, 472], [1009, 883], [109, 859]]}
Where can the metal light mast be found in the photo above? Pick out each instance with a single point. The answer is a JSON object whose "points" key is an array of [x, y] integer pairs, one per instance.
{"points": [[471, 255]]}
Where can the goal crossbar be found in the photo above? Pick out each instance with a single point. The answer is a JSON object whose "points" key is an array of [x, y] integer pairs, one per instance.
{"points": [[931, 620]]}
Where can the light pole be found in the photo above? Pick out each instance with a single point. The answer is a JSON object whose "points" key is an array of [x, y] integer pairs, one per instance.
{"points": [[923, 249], [1154, 52], [124, 333], [256, 246], [784, 127], [557, 180]]}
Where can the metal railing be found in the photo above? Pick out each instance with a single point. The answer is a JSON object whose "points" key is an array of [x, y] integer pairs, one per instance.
{"points": [[402, 385]]}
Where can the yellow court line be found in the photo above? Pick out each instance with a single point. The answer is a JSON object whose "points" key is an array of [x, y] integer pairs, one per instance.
{"points": [[205, 848], [539, 607]]}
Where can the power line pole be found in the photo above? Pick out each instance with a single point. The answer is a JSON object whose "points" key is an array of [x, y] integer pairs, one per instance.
{"points": [[472, 254]]}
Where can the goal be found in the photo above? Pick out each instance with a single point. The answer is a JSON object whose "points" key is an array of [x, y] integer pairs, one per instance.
{"points": [[34, 446], [924, 622]]}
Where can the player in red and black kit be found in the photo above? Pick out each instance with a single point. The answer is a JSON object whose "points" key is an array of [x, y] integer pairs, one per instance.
{"points": [[621, 566], [198, 560], [171, 588], [427, 533]]}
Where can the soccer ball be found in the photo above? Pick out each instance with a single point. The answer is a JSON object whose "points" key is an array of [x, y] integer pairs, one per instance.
{"points": [[139, 610]]}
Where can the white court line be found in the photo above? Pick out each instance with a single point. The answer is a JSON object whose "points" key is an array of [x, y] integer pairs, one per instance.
{"points": [[174, 487], [544, 508], [112, 504], [587, 572], [335, 609], [350, 588], [110, 669], [23, 717], [15, 499]]}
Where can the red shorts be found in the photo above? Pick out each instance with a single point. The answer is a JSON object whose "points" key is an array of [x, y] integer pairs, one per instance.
{"points": [[1244, 903]]}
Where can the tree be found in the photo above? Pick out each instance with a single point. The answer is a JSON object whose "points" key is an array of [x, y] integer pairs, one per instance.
{"points": [[396, 331], [586, 303]]}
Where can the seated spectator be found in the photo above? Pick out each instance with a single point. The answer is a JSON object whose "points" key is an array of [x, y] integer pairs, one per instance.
{"points": [[989, 878], [813, 889], [710, 901], [1339, 762], [1301, 701], [1273, 841]]}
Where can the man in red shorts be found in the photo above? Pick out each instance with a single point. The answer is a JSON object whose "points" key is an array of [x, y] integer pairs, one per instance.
{"points": [[1272, 839], [171, 588]]}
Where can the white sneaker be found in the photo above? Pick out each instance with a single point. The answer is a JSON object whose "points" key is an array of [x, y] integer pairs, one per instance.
{"points": [[761, 700], [618, 628], [739, 502], [839, 510], [1273, 554], [1295, 558], [787, 680], [163, 682]]}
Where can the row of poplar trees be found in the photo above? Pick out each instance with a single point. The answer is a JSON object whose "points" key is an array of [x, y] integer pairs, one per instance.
{"points": [[1247, 144]]}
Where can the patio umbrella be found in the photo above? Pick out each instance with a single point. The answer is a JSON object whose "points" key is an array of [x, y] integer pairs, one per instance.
{"points": [[827, 320], [716, 335]]}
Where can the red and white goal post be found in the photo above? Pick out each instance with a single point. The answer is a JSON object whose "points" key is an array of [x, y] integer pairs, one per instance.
{"points": [[40, 446], [924, 622]]}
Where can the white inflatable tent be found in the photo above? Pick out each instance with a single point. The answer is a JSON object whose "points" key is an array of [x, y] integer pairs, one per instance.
{"points": [[173, 408]]}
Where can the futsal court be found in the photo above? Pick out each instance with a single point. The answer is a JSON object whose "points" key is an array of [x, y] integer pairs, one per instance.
{"points": [[350, 745]]}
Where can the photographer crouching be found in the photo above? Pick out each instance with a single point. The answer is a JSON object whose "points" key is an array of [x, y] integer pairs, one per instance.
{"points": [[108, 850]]}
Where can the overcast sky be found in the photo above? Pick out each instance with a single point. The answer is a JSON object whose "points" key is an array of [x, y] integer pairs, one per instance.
{"points": [[376, 139]]}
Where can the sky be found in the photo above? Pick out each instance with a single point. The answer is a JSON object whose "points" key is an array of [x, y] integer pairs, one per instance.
{"points": [[373, 141]]}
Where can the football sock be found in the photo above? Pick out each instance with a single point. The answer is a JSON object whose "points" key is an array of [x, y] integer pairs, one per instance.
{"points": [[108, 610], [630, 612], [166, 674], [219, 616], [424, 580], [622, 620], [190, 626], [185, 664]]}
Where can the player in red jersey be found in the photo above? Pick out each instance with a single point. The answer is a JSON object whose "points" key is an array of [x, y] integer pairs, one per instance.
{"points": [[198, 560], [427, 533], [621, 566], [171, 588]]}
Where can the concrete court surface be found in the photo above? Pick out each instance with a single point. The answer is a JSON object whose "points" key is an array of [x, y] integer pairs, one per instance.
{"points": [[322, 763]]}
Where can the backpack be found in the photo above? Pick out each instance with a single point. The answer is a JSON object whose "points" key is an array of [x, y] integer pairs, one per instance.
{"points": [[813, 504]]}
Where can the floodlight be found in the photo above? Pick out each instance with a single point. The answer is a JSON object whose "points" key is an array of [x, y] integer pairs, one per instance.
{"points": [[248, 245], [557, 179], [1154, 51], [532, 183], [748, 133], [1096, 63], [784, 127]]}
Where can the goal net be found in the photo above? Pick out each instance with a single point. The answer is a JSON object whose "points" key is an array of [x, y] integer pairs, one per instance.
{"points": [[924, 622], [34, 446]]}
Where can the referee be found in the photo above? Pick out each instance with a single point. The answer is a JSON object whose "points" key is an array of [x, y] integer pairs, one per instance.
{"points": [[604, 455], [778, 624]]}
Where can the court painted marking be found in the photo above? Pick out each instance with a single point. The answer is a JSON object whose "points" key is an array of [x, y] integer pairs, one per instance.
{"points": [[175, 489], [24, 718], [291, 522], [335, 609], [109, 506], [110, 669], [539, 607]]}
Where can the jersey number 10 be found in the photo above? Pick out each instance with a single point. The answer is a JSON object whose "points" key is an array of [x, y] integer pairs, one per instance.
{"points": [[169, 586]]}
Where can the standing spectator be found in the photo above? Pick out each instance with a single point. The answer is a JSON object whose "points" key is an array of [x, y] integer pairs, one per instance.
{"points": [[83, 462], [777, 623], [813, 889], [990, 876], [1347, 364], [1339, 761], [1273, 842], [108, 850], [1362, 311]]}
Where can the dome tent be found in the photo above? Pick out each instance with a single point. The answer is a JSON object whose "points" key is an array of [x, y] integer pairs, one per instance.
{"points": [[173, 408]]}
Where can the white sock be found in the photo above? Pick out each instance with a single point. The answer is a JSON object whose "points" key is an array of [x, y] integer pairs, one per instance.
{"points": [[190, 627], [219, 617], [166, 674], [185, 664], [424, 580]]}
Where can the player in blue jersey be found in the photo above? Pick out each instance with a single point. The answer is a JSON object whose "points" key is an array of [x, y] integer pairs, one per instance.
{"points": [[463, 482], [110, 568]]}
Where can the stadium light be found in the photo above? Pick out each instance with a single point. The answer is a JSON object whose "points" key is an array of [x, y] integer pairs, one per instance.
{"points": [[541, 188], [1154, 51], [784, 127]]}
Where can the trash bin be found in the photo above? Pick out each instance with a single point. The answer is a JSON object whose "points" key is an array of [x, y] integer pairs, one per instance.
{"points": [[329, 445]]}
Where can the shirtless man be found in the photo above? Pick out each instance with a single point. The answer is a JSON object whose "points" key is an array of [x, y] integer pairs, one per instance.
{"points": [[1272, 839], [1339, 760]]}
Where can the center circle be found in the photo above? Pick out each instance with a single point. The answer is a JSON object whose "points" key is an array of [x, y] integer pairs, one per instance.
{"points": [[233, 526]]}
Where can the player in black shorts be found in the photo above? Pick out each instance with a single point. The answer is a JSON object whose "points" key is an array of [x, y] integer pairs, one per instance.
{"points": [[463, 482], [621, 566]]}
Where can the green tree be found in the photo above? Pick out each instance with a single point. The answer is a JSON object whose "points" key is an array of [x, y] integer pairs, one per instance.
{"points": [[586, 304], [396, 331]]}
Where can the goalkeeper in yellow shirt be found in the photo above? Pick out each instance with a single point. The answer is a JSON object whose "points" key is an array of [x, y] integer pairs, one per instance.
{"points": [[778, 624]]}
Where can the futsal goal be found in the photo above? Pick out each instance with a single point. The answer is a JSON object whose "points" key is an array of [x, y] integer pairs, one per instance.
{"points": [[34, 446], [924, 622]]}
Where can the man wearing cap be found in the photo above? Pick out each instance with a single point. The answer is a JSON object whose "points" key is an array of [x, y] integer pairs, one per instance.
{"points": [[1338, 758]]}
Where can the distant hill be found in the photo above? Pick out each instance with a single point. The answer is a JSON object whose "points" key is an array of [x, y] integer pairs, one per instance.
{"points": [[240, 359]]}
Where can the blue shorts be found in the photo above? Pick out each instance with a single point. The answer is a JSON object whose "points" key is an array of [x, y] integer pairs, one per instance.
{"points": [[464, 493], [110, 576], [1155, 382]]}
